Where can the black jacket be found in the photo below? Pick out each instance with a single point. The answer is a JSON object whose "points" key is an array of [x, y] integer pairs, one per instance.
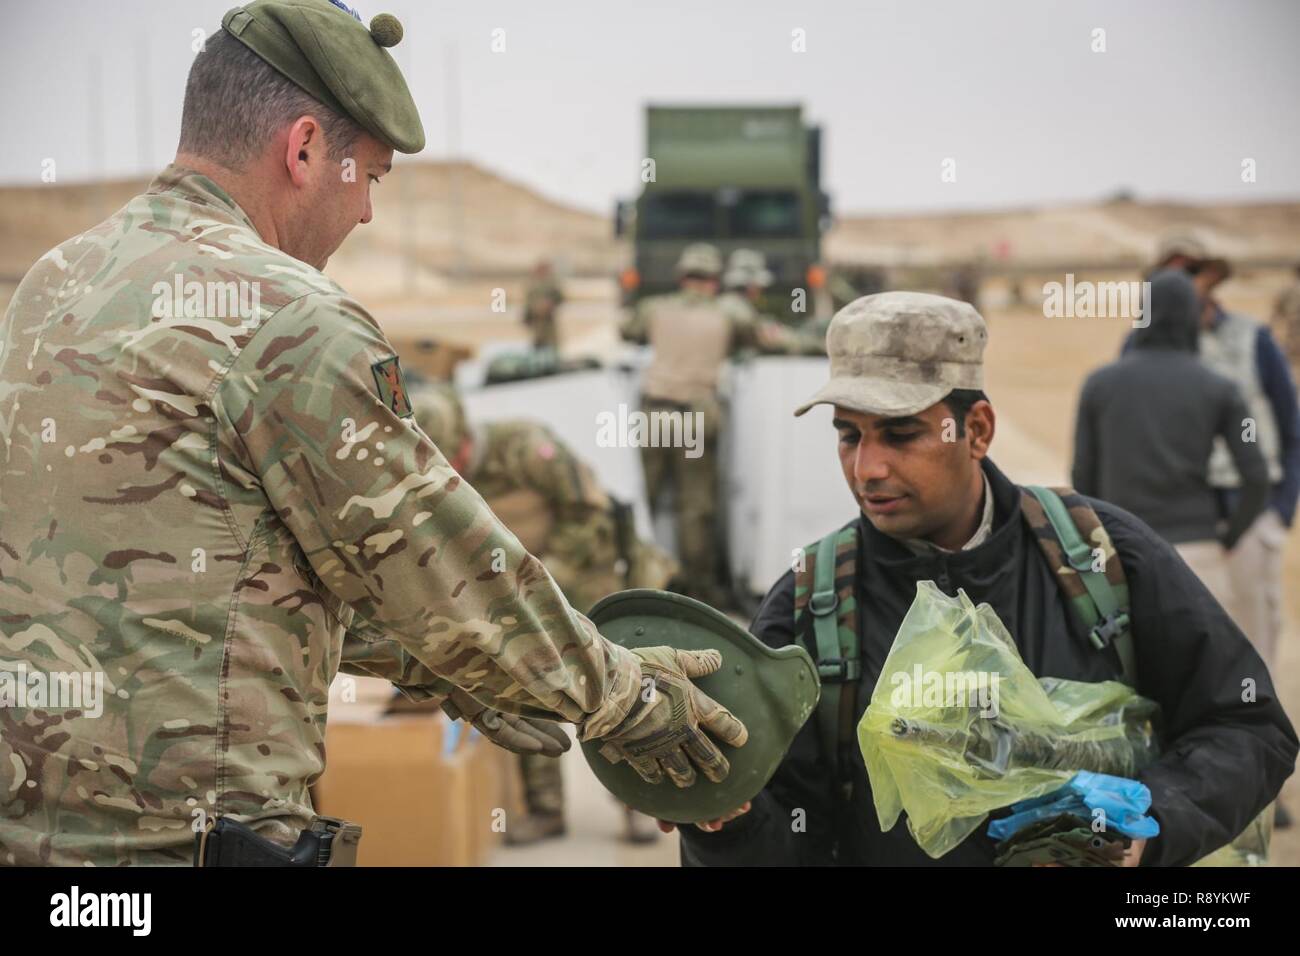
{"points": [[1223, 759], [1147, 423]]}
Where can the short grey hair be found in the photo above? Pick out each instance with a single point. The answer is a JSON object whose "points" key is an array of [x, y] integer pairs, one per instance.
{"points": [[235, 102]]}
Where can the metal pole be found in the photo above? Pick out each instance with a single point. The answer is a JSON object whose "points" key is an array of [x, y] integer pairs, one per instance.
{"points": [[95, 133], [456, 210], [143, 106]]}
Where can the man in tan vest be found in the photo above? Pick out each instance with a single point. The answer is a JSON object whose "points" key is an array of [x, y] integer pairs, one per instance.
{"points": [[692, 336]]}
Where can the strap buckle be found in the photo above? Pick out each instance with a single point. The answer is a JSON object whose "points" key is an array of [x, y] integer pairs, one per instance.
{"points": [[839, 670], [822, 603], [1105, 633]]}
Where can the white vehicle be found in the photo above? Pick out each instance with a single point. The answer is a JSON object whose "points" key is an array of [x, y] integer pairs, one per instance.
{"points": [[781, 485]]}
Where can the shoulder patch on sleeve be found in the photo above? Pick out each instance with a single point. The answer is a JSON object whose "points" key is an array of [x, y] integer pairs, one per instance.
{"points": [[392, 387]]}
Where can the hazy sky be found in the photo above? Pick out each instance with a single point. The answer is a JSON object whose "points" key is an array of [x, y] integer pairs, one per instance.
{"points": [[1185, 90]]}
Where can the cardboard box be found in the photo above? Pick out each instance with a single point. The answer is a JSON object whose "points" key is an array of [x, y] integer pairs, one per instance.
{"points": [[423, 790]]}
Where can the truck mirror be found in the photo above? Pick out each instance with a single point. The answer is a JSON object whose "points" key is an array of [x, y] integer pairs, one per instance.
{"points": [[624, 216]]}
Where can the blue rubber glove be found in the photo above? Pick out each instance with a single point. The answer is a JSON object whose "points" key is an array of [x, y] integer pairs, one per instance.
{"points": [[1124, 803]]}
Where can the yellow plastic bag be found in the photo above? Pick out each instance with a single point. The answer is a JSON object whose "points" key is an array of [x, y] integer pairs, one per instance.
{"points": [[958, 726]]}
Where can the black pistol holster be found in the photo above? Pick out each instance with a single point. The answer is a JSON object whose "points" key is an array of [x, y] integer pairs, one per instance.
{"points": [[227, 842]]}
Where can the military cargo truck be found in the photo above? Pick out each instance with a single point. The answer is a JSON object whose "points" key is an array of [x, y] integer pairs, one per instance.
{"points": [[738, 177]]}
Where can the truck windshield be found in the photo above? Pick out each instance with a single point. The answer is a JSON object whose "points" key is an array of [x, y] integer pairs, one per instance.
{"points": [[764, 214], [679, 216]]}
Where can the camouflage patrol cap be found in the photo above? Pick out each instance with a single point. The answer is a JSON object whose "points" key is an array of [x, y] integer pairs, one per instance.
{"points": [[772, 691], [897, 353], [440, 415], [323, 47], [699, 258], [746, 267]]}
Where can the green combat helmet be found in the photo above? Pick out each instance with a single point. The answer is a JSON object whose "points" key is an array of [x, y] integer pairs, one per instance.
{"points": [[746, 267], [699, 258], [772, 691]]}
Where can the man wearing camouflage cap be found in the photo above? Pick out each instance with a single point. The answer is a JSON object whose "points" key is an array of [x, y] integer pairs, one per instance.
{"points": [[554, 504], [214, 496], [692, 335], [914, 430]]}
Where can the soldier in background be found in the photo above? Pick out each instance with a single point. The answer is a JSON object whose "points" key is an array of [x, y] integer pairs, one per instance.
{"points": [[555, 506], [1244, 351], [542, 301], [744, 283], [1127, 452], [966, 283], [693, 336]]}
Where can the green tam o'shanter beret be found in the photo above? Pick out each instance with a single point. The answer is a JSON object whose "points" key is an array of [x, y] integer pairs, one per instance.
{"points": [[329, 52]]}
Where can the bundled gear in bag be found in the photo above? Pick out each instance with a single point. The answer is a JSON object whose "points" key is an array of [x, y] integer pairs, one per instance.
{"points": [[958, 727], [1116, 802], [1065, 839], [1088, 822]]}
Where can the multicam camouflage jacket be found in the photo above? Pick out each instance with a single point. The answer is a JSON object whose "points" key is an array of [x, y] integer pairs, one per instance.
{"points": [[212, 499]]}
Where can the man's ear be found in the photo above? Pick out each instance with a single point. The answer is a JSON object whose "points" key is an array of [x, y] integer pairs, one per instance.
{"points": [[302, 149], [981, 423]]}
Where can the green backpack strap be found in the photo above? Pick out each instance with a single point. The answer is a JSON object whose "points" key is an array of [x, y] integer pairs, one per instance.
{"points": [[1086, 567], [824, 589]]}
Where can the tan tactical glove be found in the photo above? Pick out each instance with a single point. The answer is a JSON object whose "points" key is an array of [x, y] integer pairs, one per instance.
{"points": [[664, 731], [519, 735]]}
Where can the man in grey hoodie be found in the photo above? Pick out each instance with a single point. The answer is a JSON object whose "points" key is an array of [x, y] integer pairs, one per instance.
{"points": [[1146, 427]]}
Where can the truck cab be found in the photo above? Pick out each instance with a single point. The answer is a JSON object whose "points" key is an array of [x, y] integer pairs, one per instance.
{"points": [[737, 177]]}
